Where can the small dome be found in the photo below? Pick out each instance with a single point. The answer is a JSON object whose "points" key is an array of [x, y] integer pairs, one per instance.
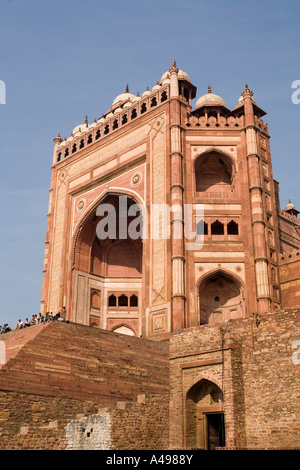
{"points": [[165, 78], [156, 87], [183, 76], [137, 98], [290, 206], [209, 99], [124, 97], [79, 129], [146, 93], [117, 111], [241, 99], [109, 115], [92, 125]]}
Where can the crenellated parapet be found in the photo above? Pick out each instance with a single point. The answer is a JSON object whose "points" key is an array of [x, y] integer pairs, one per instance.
{"points": [[121, 114], [212, 122]]}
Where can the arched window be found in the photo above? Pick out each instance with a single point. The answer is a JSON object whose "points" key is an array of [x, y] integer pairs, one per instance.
{"points": [[164, 96], [81, 144], [217, 228], [133, 301], [66, 153], [202, 228], [143, 108], [112, 301], [74, 148], [133, 114], [90, 139], [153, 102], [123, 301], [124, 118], [59, 157], [106, 130], [232, 228], [97, 134], [115, 124]]}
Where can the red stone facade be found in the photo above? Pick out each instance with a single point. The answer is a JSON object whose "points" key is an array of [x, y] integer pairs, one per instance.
{"points": [[156, 150], [210, 351]]}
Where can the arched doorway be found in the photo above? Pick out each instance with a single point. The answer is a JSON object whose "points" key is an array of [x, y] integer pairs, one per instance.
{"points": [[220, 297], [108, 264], [205, 428]]}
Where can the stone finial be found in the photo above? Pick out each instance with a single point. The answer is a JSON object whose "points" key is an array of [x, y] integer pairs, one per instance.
{"points": [[247, 92], [209, 89], [174, 67], [127, 89], [86, 121], [138, 93], [58, 138]]}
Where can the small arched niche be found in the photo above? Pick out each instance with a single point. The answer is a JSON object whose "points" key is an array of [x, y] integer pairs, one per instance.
{"points": [[214, 173], [220, 297]]}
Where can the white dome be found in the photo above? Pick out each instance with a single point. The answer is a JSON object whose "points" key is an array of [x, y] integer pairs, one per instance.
{"points": [[241, 99], [156, 87], [209, 99], [146, 93], [137, 98], [78, 129], [123, 97], [92, 125], [183, 76], [165, 78]]}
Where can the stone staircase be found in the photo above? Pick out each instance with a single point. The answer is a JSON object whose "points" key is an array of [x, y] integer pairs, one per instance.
{"points": [[80, 362]]}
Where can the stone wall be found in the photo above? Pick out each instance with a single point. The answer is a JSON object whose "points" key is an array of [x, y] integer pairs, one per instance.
{"points": [[36, 422], [289, 276], [256, 364]]}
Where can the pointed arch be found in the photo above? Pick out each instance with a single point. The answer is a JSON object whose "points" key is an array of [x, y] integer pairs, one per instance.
{"points": [[214, 172], [221, 297]]}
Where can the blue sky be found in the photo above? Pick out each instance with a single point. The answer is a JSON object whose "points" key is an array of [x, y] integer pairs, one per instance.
{"points": [[63, 60]]}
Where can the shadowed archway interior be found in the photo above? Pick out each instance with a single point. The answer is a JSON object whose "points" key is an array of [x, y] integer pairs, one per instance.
{"points": [[220, 297]]}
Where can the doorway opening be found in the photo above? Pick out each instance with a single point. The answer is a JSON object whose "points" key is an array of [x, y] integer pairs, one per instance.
{"points": [[215, 430]]}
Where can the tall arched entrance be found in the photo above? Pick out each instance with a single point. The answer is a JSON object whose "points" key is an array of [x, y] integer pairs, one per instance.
{"points": [[107, 270], [204, 418], [220, 298]]}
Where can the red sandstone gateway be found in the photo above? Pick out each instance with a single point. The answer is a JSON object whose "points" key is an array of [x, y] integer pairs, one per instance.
{"points": [[159, 149], [209, 353]]}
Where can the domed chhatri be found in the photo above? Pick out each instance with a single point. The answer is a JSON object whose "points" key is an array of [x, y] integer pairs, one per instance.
{"points": [[124, 97], [291, 209], [209, 99]]}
